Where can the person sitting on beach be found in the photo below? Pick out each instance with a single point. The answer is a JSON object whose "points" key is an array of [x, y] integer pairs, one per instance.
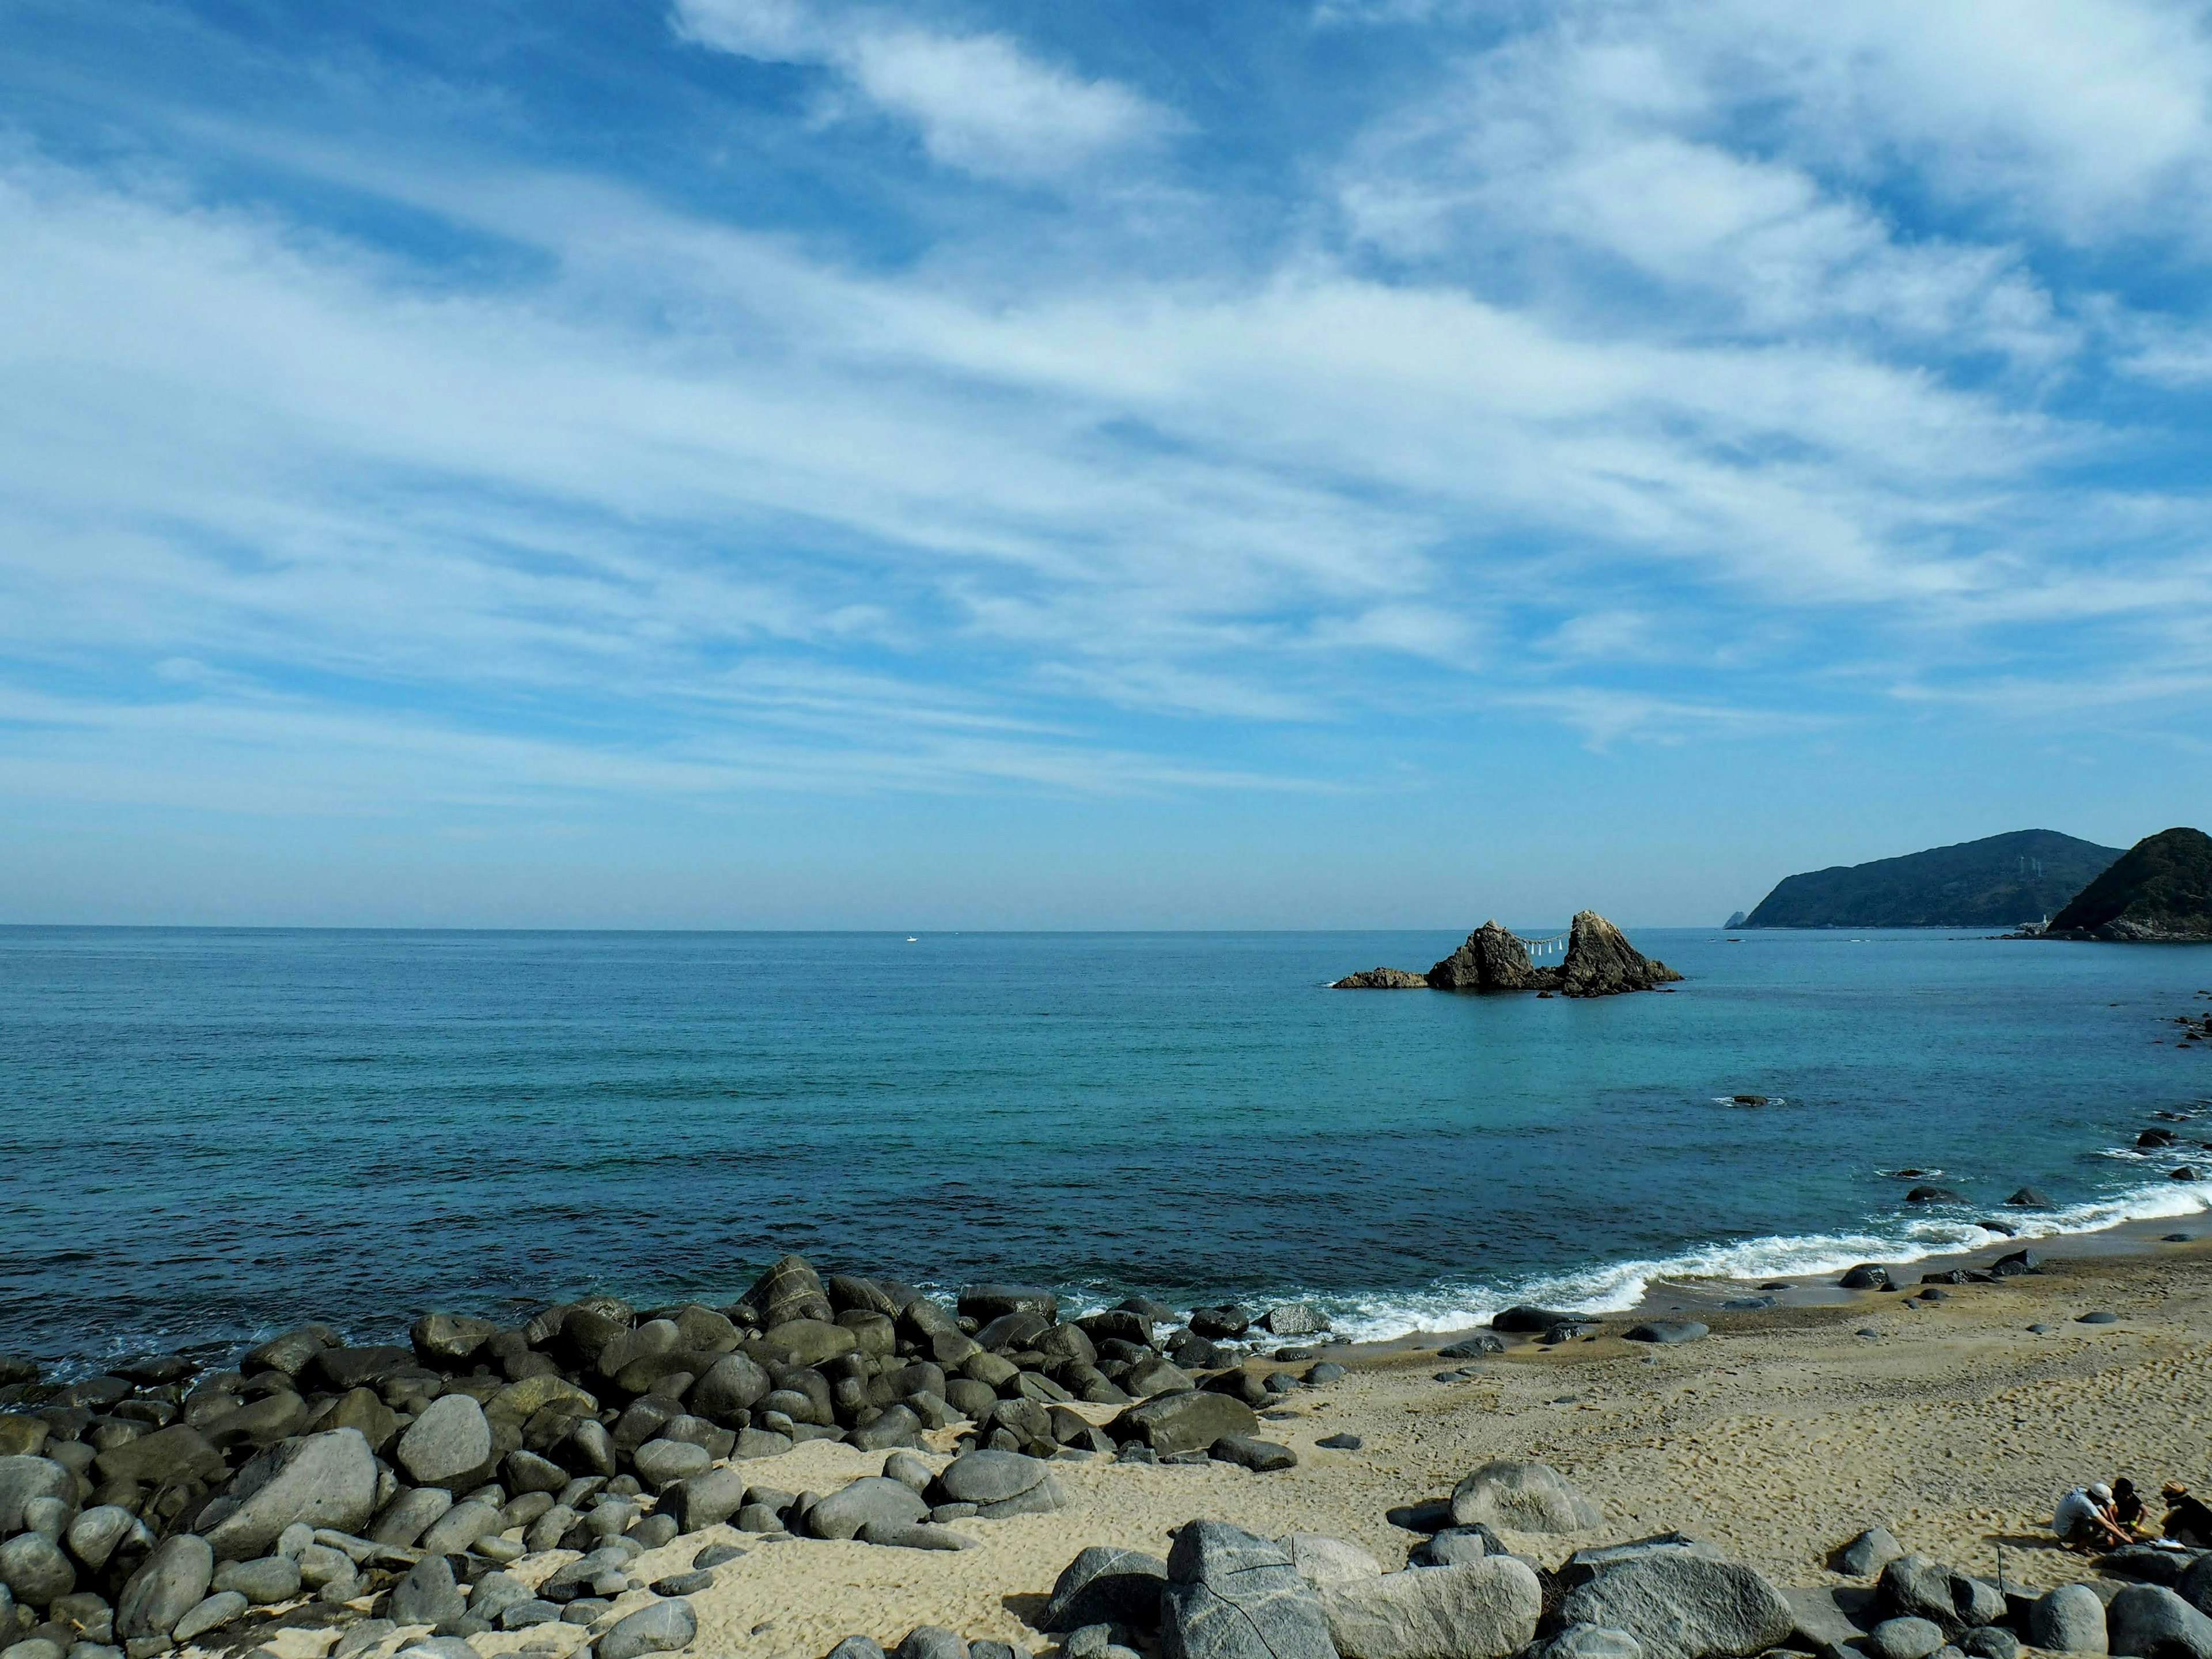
{"points": [[2188, 1521], [2127, 1510], [2084, 1520]]}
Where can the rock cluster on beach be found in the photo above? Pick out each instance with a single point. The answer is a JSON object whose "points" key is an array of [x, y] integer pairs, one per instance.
{"points": [[425, 1486], [1600, 962]]}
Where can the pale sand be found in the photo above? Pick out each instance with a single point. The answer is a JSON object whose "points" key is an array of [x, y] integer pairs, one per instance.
{"points": [[1776, 1438]]}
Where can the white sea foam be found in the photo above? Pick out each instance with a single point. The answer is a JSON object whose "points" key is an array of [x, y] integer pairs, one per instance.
{"points": [[1611, 1287]]}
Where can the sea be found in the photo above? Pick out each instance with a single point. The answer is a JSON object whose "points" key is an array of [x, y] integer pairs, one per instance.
{"points": [[208, 1134]]}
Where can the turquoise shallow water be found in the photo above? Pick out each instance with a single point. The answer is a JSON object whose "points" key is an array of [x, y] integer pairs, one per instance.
{"points": [[206, 1133]]}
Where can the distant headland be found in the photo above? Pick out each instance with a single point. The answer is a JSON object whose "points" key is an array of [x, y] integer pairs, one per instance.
{"points": [[2000, 881], [1600, 962]]}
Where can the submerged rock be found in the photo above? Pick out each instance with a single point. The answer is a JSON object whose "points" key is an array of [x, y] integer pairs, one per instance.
{"points": [[1380, 979]]}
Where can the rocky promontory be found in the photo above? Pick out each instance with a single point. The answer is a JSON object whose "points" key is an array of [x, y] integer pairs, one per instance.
{"points": [[1600, 963], [2159, 892]]}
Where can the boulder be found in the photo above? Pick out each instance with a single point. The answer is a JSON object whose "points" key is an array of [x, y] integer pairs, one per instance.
{"points": [[429, 1595], [1904, 1639], [22, 1479], [1105, 1585], [214, 1612], [733, 1383], [450, 1440], [1481, 1609], [1000, 1484], [658, 1627], [789, 1289], [94, 1536], [1602, 963], [169, 1584], [446, 1341], [1231, 1596], [662, 1463], [871, 1500], [1868, 1553], [2029, 1198], [2068, 1619], [931, 1642], [1492, 959], [1585, 1564], [264, 1582], [1523, 1497], [985, 1303], [1189, 1420], [177, 1453], [1679, 1606], [34, 1569], [704, 1500], [325, 1480], [1867, 1276], [1990, 1642], [1976, 1601], [1250, 1452], [1919, 1587], [1590, 1642], [2151, 1620], [1666, 1330], [409, 1515], [1321, 1560], [461, 1526]]}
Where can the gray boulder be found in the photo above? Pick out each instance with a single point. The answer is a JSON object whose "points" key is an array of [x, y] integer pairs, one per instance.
{"points": [[2151, 1620], [661, 1627], [461, 1526], [22, 1479], [212, 1614], [1919, 1587], [264, 1582], [34, 1570], [1990, 1642], [1104, 1585], [1904, 1639], [1523, 1497], [409, 1515], [873, 1500], [1322, 1560], [451, 1438], [858, 1647], [1680, 1605], [662, 1463], [1868, 1553], [1977, 1601], [427, 1595], [1231, 1596], [1590, 1642], [1666, 1330], [1481, 1609], [1585, 1564], [704, 1500], [931, 1642], [324, 1479], [95, 1535], [169, 1584], [1000, 1484]]}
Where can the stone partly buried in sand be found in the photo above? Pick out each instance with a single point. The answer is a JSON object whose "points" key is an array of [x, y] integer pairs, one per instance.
{"points": [[1600, 963]]}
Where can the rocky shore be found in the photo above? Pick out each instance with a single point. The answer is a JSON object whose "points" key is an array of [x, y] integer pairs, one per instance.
{"points": [[843, 1464]]}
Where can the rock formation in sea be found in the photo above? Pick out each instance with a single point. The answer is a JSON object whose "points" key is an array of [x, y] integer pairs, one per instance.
{"points": [[2158, 891], [1600, 963], [1492, 959]]}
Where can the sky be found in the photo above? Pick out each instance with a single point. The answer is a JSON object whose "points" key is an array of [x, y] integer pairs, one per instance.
{"points": [[1374, 463]]}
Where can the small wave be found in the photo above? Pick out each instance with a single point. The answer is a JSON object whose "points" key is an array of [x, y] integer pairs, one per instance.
{"points": [[1614, 1287]]}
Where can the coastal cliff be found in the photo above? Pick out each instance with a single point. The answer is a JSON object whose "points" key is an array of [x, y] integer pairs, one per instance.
{"points": [[2159, 892], [1600, 963]]}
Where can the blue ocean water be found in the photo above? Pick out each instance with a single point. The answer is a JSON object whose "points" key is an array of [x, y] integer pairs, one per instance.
{"points": [[204, 1134]]}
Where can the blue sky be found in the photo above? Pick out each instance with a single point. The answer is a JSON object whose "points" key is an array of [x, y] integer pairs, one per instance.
{"points": [[800, 463]]}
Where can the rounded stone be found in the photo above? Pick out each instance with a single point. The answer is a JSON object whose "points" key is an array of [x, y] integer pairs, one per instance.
{"points": [[451, 1438], [33, 1568]]}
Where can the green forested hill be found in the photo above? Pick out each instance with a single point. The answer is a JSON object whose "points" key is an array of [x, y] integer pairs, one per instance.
{"points": [[2160, 888], [1997, 882]]}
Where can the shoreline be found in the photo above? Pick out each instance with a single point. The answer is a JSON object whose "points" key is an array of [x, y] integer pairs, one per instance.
{"points": [[1775, 1437]]}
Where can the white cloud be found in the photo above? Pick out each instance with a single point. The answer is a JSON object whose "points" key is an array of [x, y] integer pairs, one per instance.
{"points": [[979, 102]]}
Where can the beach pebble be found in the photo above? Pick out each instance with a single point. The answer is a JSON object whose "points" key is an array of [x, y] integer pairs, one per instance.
{"points": [[2101, 1316], [1340, 1441], [2037, 1330], [1904, 1639], [1866, 1330], [2068, 1620]]}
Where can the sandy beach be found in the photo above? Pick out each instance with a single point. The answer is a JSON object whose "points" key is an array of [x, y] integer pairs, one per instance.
{"points": [[1775, 1439]]}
